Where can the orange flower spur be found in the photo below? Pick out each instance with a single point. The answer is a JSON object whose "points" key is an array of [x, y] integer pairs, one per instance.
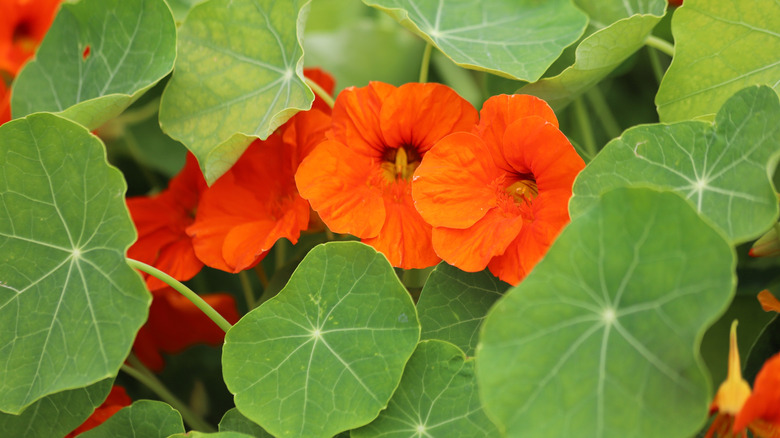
{"points": [[359, 180], [498, 196]]}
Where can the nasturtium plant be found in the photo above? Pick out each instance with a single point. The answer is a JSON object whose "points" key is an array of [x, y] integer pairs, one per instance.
{"points": [[69, 303], [601, 339], [98, 57], [232, 84], [724, 170], [235, 421], [144, 418], [345, 358]]}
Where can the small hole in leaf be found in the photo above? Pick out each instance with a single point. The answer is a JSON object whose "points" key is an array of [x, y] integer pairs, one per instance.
{"points": [[85, 53]]}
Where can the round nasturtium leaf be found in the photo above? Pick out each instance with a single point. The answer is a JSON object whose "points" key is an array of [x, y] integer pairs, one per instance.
{"points": [[57, 414], [238, 76], [721, 46], [437, 397], [724, 170], [235, 421], [70, 306], [453, 304], [98, 57], [144, 418], [602, 338], [517, 39], [327, 352]]}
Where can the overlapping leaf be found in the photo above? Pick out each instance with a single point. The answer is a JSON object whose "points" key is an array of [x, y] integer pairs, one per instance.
{"points": [[234, 421], [238, 76], [326, 354], [601, 339], [97, 58], [144, 418], [437, 397], [723, 169], [453, 304], [57, 414], [721, 46], [622, 28], [517, 39], [69, 304]]}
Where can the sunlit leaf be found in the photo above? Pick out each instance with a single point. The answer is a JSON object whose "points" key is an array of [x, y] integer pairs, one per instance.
{"points": [[234, 421], [721, 46], [69, 304], [517, 39], [144, 418], [622, 28], [97, 58], [326, 354], [238, 76], [57, 414], [602, 338], [724, 170], [437, 397], [453, 304]]}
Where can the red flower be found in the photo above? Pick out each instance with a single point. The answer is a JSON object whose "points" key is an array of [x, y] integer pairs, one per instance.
{"points": [[498, 197], [161, 222], [175, 324], [23, 24], [359, 180], [116, 400]]}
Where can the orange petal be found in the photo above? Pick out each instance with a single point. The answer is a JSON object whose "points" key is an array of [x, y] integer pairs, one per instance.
{"points": [[304, 131], [499, 112], [324, 80], [5, 102], [23, 25], [405, 238], [116, 400], [177, 260], [343, 188], [764, 403], [422, 114], [452, 187], [356, 118], [768, 301]]}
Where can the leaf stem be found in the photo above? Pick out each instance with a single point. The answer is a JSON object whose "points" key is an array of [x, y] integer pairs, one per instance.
{"points": [[260, 271], [660, 44], [426, 62], [655, 64], [139, 372], [599, 104], [583, 121], [320, 92], [184, 290], [246, 287]]}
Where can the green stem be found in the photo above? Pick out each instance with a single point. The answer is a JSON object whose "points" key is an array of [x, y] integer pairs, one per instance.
{"points": [[131, 117], [599, 104], [426, 62], [246, 287], [280, 258], [660, 44], [655, 64], [584, 124], [184, 290], [139, 372], [260, 271], [320, 92]]}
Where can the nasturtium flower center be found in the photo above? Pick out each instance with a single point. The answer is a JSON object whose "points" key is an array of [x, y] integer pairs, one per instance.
{"points": [[523, 190], [22, 37], [400, 163]]}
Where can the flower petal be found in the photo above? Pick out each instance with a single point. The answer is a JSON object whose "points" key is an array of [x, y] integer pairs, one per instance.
{"points": [[764, 403], [768, 301], [356, 118]]}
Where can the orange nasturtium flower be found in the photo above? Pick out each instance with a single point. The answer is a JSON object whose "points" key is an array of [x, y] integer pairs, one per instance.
{"points": [[5, 102], [23, 24], [161, 222], [116, 400], [499, 195], [359, 180]]}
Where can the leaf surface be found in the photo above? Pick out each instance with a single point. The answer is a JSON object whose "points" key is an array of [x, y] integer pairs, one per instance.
{"points": [[144, 418]]}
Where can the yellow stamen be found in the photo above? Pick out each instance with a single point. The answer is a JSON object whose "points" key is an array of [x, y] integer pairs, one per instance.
{"points": [[524, 190]]}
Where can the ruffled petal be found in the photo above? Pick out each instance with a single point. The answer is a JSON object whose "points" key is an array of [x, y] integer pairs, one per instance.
{"points": [[177, 260], [304, 131], [452, 186], [356, 118], [344, 187], [421, 114], [116, 400], [764, 402]]}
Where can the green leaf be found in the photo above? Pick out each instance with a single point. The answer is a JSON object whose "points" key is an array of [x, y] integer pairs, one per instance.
{"points": [[603, 51], [235, 421], [437, 397], [57, 414], [326, 354], [196, 434], [238, 76], [181, 8], [144, 418], [602, 338], [724, 170], [453, 304], [518, 39], [132, 45], [721, 47], [69, 304]]}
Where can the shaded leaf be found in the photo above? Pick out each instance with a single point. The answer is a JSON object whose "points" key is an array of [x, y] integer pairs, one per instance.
{"points": [[437, 397], [453, 304], [602, 338], [722, 169], [518, 39], [720, 47], [144, 418], [131, 46], [238, 76], [235, 421], [196, 434], [327, 352], [69, 304]]}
